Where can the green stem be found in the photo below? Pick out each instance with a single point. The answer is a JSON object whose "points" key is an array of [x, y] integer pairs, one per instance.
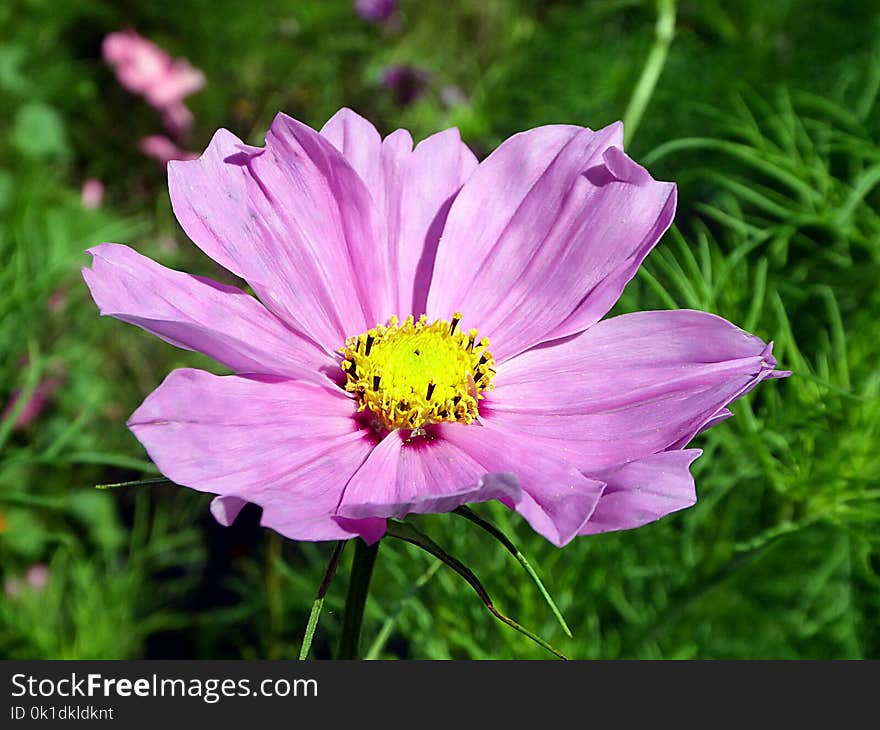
{"points": [[356, 600], [273, 595], [385, 632], [318, 603], [664, 31]]}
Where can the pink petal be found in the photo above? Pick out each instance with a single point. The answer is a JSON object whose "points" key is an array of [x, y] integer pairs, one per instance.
{"points": [[412, 189], [198, 314], [420, 475], [361, 144], [629, 386], [226, 509], [644, 490], [557, 500], [545, 234], [287, 446], [294, 220]]}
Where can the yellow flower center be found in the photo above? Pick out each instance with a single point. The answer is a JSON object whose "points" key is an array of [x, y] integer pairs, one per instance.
{"points": [[414, 374]]}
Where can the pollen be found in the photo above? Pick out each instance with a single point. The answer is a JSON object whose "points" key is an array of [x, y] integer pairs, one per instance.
{"points": [[413, 374]]}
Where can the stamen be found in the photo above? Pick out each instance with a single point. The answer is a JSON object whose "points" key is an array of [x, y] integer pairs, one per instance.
{"points": [[412, 374], [456, 318]]}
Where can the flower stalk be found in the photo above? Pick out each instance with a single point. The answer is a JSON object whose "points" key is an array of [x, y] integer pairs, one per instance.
{"points": [[664, 32], [318, 603], [356, 600]]}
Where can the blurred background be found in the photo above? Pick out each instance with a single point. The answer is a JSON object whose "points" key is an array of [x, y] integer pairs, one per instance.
{"points": [[764, 113]]}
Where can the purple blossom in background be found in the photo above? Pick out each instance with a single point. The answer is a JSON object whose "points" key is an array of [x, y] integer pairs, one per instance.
{"points": [[35, 405], [92, 194], [144, 68], [36, 579], [427, 331], [376, 11], [57, 300], [37, 576], [163, 150], [407, 83]]}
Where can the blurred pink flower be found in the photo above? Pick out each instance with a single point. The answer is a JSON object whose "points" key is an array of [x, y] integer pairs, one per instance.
{"points": [[34, 405], [164, 150], [92, 193], [144, 68], [57, 300], [37, 576], [177, 119], [375, 11]]}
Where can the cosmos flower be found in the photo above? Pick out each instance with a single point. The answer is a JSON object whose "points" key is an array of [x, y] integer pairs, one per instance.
{"points": [[425, 333], [144, 68]]}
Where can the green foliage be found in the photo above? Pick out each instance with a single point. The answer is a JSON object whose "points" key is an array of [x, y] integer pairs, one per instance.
{"points": [[766, 118]]}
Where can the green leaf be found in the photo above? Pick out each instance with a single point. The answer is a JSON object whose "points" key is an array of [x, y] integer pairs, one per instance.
{"points": [[39, 133], [148, 482], [469, 514], [318, 604], [408, 533]]}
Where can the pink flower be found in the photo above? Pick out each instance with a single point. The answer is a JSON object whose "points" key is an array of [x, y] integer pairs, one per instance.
{"points": [[164, 150], [37, 576], [92, 193], [341, 415], [144, 68], [36, 579], [376, 11], [34, 405], [57, 300], [177, 119]]}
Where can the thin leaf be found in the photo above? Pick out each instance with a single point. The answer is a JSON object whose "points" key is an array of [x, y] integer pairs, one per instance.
{"points": [[469, 514], [149, 481], [318, 604], [408, 533]]}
